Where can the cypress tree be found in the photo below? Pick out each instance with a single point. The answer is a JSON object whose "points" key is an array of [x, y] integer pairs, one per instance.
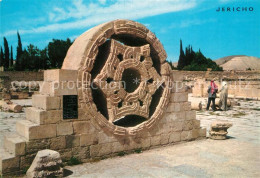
{"points": [[6, 54], [11, 62], [181, 62], [1, 57], [19, 52]]}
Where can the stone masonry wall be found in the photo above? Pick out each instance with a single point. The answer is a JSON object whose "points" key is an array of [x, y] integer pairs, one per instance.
{"points": [[7, 77], [82, 137], [243, 84]]}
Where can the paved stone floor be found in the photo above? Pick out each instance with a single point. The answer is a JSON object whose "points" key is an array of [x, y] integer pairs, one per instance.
{"points": [[238, 156]]}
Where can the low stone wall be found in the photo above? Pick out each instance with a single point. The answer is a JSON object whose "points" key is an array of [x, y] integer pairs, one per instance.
{"points": [[7, 77], [242, 84]]}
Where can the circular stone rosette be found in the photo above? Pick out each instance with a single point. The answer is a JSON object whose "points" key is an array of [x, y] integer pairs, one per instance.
{"points": [[123, 76]]}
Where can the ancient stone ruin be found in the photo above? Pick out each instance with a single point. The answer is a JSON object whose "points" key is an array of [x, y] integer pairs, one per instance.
{"points": [[115, 93], [218, 130]]}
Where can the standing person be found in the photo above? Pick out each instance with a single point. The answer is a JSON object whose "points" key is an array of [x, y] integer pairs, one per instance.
{"points": [[223, 96], [212, 90]]}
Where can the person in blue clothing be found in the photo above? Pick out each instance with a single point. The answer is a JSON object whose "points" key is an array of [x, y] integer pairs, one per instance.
{"points": [[212, 92]]}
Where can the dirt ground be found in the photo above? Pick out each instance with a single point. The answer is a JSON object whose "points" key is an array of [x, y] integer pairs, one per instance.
{"points": [[238, 156]]}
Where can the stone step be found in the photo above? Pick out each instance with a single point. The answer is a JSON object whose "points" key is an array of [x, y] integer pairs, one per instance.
{"points": [[31, 131], [23, 128], [8, 162], [14, 143], [41, 117]]}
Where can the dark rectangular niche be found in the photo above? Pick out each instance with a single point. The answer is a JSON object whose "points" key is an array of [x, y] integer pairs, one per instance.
{"points": [[70, 106]]}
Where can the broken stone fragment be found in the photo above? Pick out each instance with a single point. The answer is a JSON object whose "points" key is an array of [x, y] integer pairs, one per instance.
{"points": [[47, 163], [218, 130]]}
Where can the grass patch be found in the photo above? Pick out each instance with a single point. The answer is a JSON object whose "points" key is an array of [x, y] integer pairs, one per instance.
{"points": [[73, 161], [121, 153], [25, 169], [138, 150], [256, 109]]}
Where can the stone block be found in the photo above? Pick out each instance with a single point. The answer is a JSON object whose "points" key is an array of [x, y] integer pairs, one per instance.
{"points": [[174, 116], [177, 126], [105, 149], [179, 97], [196, 124], [14, 143], [218, 130], [41, 117], [9, 163], [173, 107], [33, 146], [64, 128], [59, 88], [83, 127], [94, 150], [66, 154], [80, 152], [47, 163], [26, 161], [164, 139], [117, 147], [46, 102], [202, 132], [195, 133], [179, 87], [32, 131], [155, 140], [190, 115], [186, 135], [58, 143], [175, 137], [185, 106], [72, 141], [88, 139], [104, 138], [187, 125], [58, 75], [146, 142], [164, 127]]}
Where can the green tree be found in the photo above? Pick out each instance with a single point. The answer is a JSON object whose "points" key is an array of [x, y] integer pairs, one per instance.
{"points": [[1, 57], [44, 59], [181, 61], [19, 52], [6, 54], [57, 50], [11, 61]]}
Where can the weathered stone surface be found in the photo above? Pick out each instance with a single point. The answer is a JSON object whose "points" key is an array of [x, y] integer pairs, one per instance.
{"points": [[179, 97], [120, 102], [64, 128], [58, 75], [32, 131], [46, 102], [58, 143], [175, 137], [72, 141], [8, 163], [47, 163], [83, 127], [218, 130], [88, 139], [40, 116], [14, 143]]}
